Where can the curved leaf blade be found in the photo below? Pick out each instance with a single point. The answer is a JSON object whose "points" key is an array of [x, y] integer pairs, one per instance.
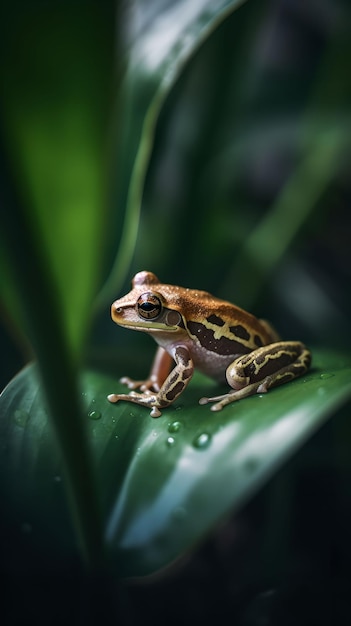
{"points": [[161, 38], [165, 483]]}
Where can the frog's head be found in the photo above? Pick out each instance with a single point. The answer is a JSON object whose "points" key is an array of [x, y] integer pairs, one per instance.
{"points": [[146, 307]]}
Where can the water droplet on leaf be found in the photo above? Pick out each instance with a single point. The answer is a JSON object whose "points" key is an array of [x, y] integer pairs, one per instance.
{"points": [[94, 415], [326, 375], [170, 442], [174, 427], [202, 441]]}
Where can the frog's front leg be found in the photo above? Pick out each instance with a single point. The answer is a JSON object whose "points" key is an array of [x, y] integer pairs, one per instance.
{"points": [[261, 369], [169, 391], [160, 369]]}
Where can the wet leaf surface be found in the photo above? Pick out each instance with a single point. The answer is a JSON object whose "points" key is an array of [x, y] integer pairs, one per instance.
{"points": [[163, 483]]}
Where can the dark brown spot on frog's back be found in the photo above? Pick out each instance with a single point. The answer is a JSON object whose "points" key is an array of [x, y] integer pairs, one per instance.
{"points": [[222, 346], [240, 331], [214, 319], [258, 341]]}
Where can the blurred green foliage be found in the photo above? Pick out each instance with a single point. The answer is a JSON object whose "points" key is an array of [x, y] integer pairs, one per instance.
{"points": [[250, 162], [248, 173]]}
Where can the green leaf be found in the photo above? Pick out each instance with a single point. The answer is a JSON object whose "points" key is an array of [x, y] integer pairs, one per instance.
{"points": [[160, 40], [163, 483], [58, 81]]}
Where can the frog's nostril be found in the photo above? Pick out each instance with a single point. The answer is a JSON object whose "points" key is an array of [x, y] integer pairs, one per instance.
{"points": [[116, 311]]}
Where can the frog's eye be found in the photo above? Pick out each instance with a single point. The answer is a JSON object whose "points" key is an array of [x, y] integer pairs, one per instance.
{"points": [[149, 306]]}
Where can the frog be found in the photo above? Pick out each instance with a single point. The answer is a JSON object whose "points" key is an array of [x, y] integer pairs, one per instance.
{"points": [[197, 331]]}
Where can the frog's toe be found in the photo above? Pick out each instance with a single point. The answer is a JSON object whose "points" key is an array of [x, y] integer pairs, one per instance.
{"points": [[131, 384], [213, 399], [217, 407], [155, 412], [135, 394], [204, 400], [113, 397]]}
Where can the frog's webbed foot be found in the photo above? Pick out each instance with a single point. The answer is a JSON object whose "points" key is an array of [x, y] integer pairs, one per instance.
{"points": [[232, 396]]}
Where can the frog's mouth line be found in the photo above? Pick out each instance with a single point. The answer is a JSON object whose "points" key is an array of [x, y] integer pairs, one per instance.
{"points": [[154, 327]]}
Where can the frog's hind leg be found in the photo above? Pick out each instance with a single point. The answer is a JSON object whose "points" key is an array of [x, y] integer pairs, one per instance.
{"points": [[261, 369]]}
